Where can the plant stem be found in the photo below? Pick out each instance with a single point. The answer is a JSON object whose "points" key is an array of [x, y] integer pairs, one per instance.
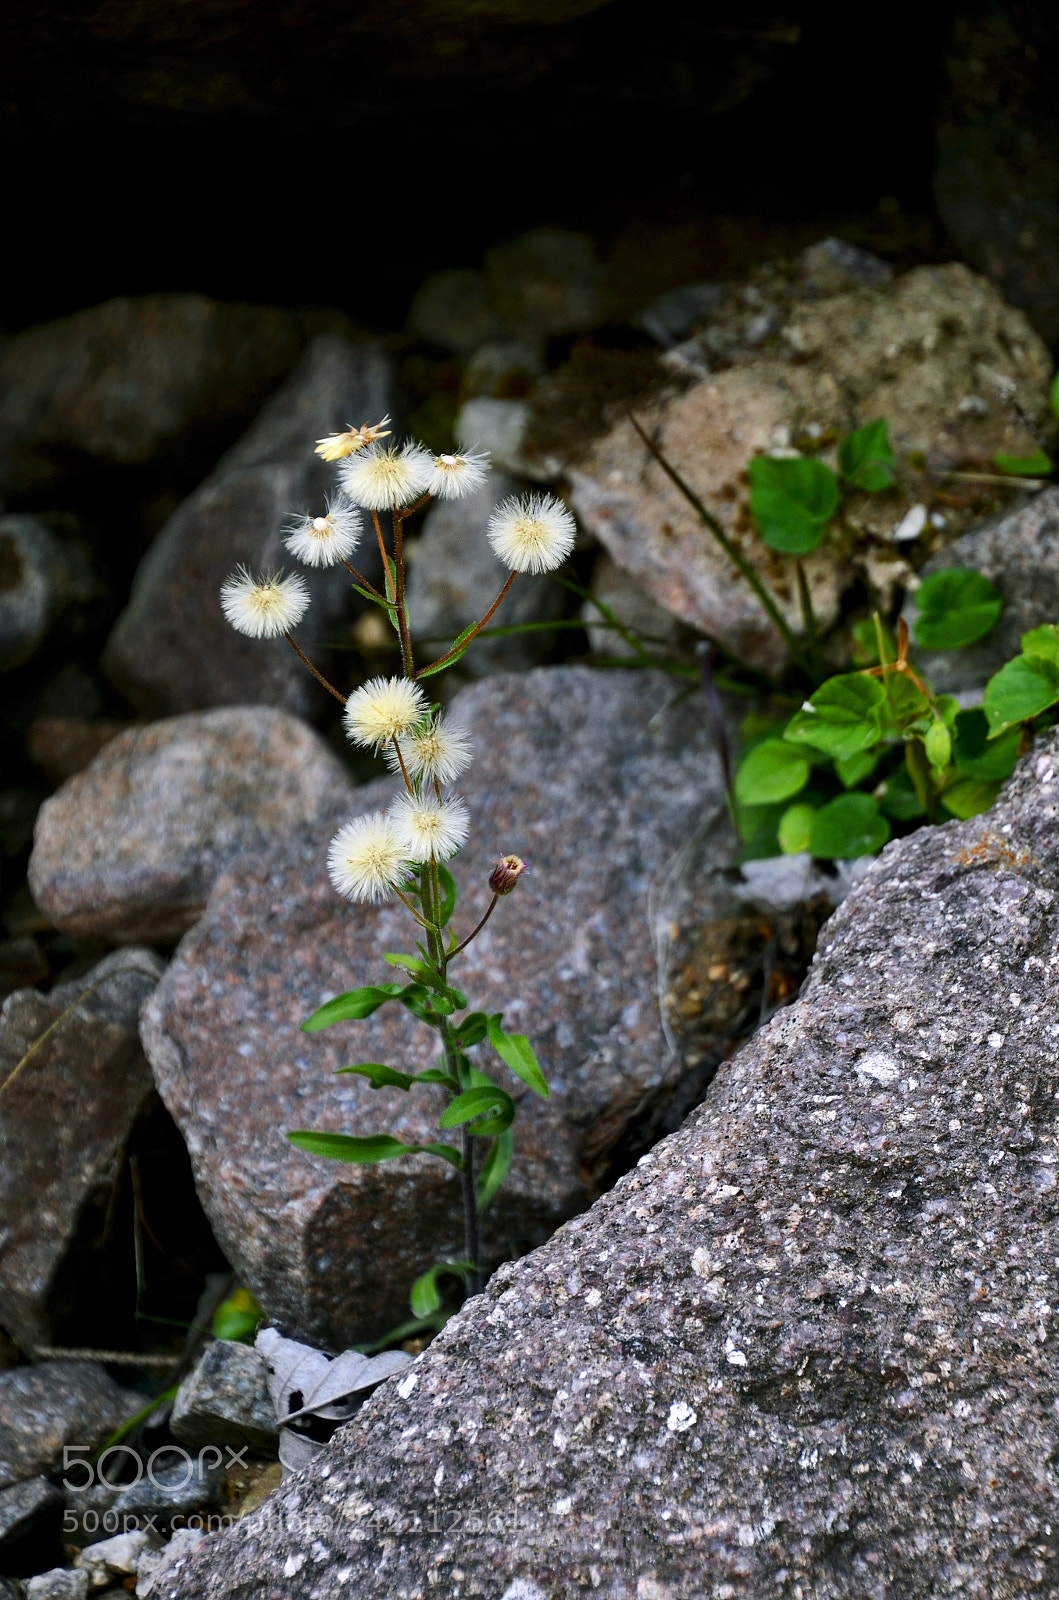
{"points": [[398, 595], [477, 930], [734, 554], [476, 630], [361, 579], [317, 675], [812, 635]]}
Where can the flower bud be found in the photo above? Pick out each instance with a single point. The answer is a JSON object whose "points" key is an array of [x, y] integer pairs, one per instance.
{"points": [[506, 874]]}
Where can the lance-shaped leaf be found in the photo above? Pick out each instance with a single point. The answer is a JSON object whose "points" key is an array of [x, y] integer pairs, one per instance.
{"points": [[371, 1148], [494, 1167], [383, 1077], [472, 1030], [515, 1050], [489, 1108], [353, 1006], [448, 892]]}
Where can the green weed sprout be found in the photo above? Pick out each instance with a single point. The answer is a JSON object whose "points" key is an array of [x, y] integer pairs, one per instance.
{"points": [[402, 853]]}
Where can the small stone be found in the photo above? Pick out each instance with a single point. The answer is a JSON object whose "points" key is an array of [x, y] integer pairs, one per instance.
{"points": [[155, 1563], [832, 266], [452, 310], [498, 426], [595, 783], [52, 1404], [177, 1487], [25, 1509], [225, 1401], [117, 1557], [64, 1121], [673, 315], [30, 555], [128, 849], [455, 577], [171, 649], [61, 1583], [505, 370]]}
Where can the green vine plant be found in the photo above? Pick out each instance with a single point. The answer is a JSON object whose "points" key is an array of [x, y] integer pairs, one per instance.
{"points": [[874, 751], [402, 853]]}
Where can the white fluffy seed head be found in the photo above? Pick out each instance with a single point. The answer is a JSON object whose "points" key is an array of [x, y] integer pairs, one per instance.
{"points": [[456, 475], [428, 827], [439, 751], [380, 479], [383, 709], [366, 859], [534, 534], [265, 607], [321, 541]]}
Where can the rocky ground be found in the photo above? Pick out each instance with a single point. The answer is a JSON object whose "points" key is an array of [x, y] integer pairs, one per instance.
{"points": [[771, 1285]]}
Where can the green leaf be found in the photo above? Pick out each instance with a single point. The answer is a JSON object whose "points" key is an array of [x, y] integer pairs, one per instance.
{"points": [[969, 796], [515, 1050], [904, 705], [353, 1006], [1022, 689], [489, 1102], [795, 829], [427, 977], [1037, 465], [1042, 642], [494, 1167], [389, 1078], [376, 599], [772, 771], [866, 457], [854, 769], [937, 742], [956, 606], [898, 799], [368, 1149], [792, 500], [975, 755], [237, 1317], [472, 1030], [425, 1298], [447, 661], [448, 889], [848, 826], [843, 717]]}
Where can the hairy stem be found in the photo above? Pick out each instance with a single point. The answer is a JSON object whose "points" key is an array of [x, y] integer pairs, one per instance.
{"points": [[812, 633], [398, 595], [476, 930], [732, 551], [476, 630], [317, 675]]}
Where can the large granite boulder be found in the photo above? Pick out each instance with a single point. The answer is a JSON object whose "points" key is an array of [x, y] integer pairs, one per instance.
{"points": [[128, 849], [171, 649], [806, 1348], [929, 351], [119, 384], [53, 1404], [595, 783], [66, 1111]]}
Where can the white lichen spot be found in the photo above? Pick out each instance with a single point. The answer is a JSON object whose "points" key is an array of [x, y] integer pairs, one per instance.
{"points": [[681, 1417], [562, 1506], [294, 1563], [995, 1041], [406, 1385]]}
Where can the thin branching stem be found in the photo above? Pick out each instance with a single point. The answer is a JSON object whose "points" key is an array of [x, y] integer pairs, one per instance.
{"points": [[317, 675], [731, 550], [398, 594], [475, 931], [361, 579], [476, 630]]}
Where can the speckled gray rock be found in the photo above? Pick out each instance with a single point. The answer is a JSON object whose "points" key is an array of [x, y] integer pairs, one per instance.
{"points": [[127, 850], [171, 649], [52, 1404], [589, 778], [455, 577], [225, 1401], [24, 1508], [806, 1348], [40, 577], [61, 1583], [1019, 552], [64, 1121]]}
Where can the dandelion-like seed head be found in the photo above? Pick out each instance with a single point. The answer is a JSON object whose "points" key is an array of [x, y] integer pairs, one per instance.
{"points": [[338, 445], [438, 751], [366, 859], [321, 541], [534, 534], [265, 607], [381, 479], [456, 475], [428, 827], [383, 709]]}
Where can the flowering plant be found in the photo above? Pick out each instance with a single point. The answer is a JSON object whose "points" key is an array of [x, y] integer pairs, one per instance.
{"points": [[402, 853]]}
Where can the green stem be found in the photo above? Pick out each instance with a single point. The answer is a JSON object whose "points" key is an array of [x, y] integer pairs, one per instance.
{"points": [[398, 595], [734, 554], [812, 634]]}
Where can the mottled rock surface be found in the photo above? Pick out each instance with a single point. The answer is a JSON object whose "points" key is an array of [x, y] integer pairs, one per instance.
{"points": [[115, 385], [806, 1348], [330, 1249], [171, 649], [455, 577], [1019, 552], [910, 351], [225, 1400], [128, 849], [40, 577], [64, 1121], [52, 1404]]}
